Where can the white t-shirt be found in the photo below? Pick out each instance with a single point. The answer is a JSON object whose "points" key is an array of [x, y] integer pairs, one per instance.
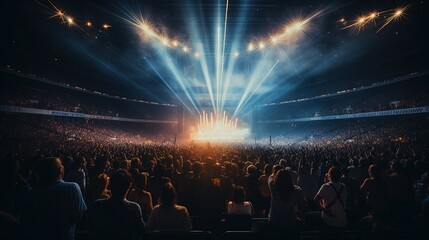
{"points": [[240, 208], [337, 216]]}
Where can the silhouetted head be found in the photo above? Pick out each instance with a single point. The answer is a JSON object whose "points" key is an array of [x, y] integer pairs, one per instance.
{"points": [[140, 180], [277, 168], [238, 194], [334, 174], [50, 169], [196, 168], [283, 184], [120, 183], [268, 169], [251, 170], [374, 171]]}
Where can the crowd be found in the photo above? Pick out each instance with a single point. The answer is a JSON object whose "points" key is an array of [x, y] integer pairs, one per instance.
{"points": [[407, 94], [121, 189], [24, 92], [120, 180], [367, 130]]}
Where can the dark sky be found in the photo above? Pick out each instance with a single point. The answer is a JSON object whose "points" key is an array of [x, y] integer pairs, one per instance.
{"points": [[112, 60]]}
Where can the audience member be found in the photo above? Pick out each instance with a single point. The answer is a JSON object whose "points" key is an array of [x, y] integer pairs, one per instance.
{"points": [[332, 200], [168, 215], [99, 187], [55, 206], [288, 205], [238, 205], [116, 217], [141, 196]]}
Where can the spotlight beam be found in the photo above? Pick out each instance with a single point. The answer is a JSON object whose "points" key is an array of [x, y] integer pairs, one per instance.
{"points": [[218, 68], [200, 43], [169, 87], [233, 59], [241, 105], [207, 78], [223, 55], [177, 76]]}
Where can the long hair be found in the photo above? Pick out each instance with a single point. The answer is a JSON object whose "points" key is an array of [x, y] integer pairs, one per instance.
{"points": [[168, 195], [283, 184]]}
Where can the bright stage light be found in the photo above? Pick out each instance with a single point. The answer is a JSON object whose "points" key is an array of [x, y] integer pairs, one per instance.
{"points": [[297, 26], [388, 15], [398, 12], [165, 42], [219, 128], [106, 26], [88, 24], [274, 39], [250, 47], [221, 77], [70, 20]]}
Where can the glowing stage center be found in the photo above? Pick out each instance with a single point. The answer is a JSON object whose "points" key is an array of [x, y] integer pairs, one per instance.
{"points": [[219, 128]]}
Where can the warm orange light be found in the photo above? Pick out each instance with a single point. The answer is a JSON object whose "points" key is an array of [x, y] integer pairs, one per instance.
{"points": [[219, 128], [70, 20], [399, 12]]}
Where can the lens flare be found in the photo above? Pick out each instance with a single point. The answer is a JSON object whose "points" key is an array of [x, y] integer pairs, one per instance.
{"points": [[165, 42], [70, 21], [372, 17], [290, 32], [359, 23], [397, 14], [274, 39], [250, 47]]}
